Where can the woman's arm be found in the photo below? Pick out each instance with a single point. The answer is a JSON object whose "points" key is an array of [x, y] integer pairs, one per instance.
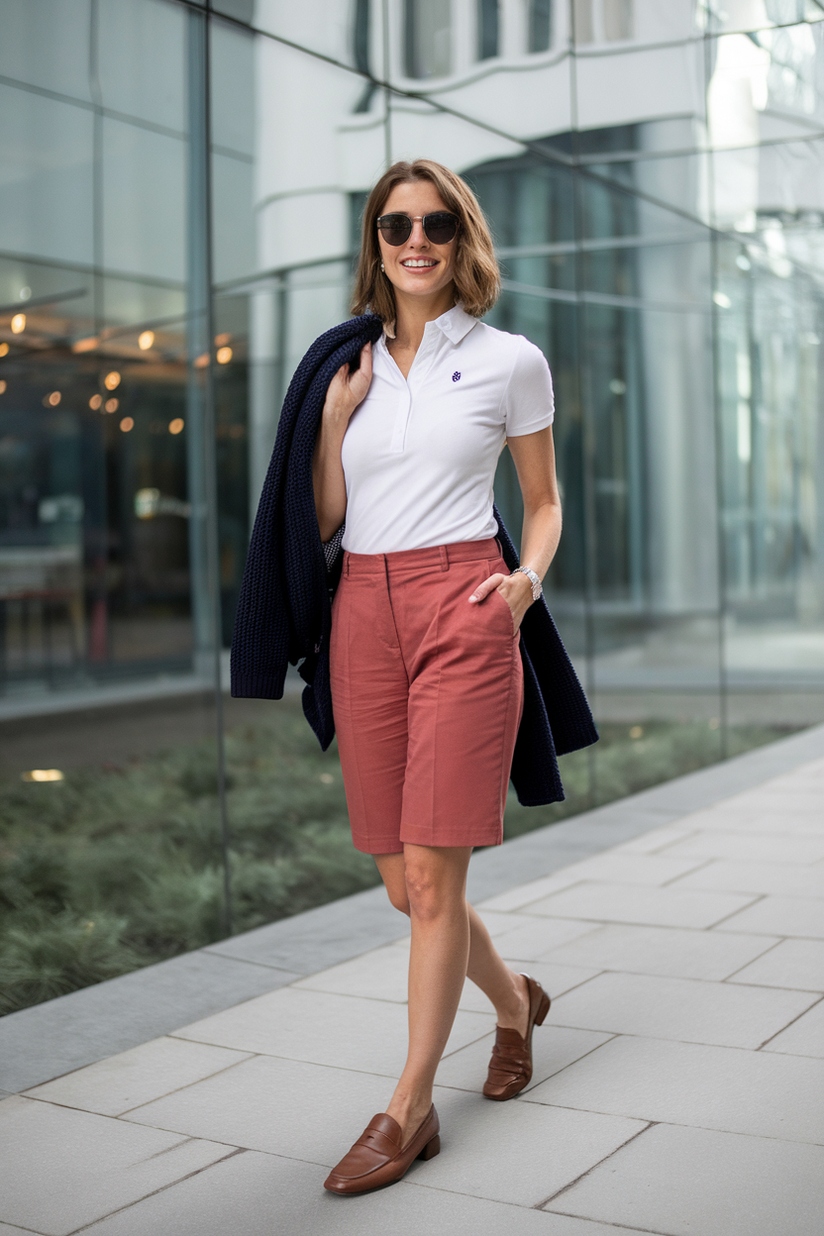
{"points": [[346, 391], [534, 456]]}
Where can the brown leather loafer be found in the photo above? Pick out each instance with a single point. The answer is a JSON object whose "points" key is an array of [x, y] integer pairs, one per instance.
{"points": [[510, 1068], [377, 1157]]}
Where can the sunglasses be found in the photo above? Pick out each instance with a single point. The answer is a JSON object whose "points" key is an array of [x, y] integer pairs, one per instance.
{"points": [[440, 227]]}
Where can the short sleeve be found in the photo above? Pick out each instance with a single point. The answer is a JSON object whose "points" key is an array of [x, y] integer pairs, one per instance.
{"points": [[529, 403]]}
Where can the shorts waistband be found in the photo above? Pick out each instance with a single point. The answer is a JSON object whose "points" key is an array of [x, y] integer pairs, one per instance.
{"points": [[435, 557]]}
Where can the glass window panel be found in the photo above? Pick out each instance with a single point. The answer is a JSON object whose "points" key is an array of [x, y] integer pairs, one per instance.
{"points": [[743, 15], [583, 21], [539, 35], [45, 177], [341, 31], [45, 43], [232, 84], [488, 29], [140, 54], [427, 39], [144, 201], [763, 87], [618, 20]]}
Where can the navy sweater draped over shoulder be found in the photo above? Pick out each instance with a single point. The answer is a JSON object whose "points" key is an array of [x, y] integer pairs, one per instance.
{"points": [[284, 613]]}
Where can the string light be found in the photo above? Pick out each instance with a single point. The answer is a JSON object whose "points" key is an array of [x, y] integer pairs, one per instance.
{"points": [[95, 402], [111, 380], [176, 426], [18, 323], [112, 405], [224, 355], [145, 340], [127, 424]]}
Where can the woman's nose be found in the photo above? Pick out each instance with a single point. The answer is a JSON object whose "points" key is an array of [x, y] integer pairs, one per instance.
{"points": [[418, 236]]}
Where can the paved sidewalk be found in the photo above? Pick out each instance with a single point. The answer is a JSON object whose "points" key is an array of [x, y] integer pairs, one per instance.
{"points": [[678, 1088]]}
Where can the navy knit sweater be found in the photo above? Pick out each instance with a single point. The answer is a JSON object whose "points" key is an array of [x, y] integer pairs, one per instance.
{"points": [[284, 612]]}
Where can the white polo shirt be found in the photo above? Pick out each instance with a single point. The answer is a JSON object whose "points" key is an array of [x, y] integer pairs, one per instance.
{"points": [[419, 454]]}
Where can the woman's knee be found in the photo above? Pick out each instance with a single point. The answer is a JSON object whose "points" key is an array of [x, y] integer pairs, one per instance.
{"points": [[391, 868], [399, 899], [428, 895]]}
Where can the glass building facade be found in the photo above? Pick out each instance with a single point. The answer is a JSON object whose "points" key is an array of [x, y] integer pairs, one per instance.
{"points": [[180, 195]]}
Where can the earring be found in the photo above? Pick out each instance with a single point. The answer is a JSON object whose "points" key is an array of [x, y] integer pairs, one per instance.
{"points": [[382, 266]]}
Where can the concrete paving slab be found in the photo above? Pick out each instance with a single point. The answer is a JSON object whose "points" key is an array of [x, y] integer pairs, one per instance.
{"points": [[784, 879], [62, 1169], [258, 1194], [341, 1031], [284, 1107], [128, 1080], [381, 974], [631, 903], [721, 1088], [666, 951], [791, 963], [656, 840], [780, 916], [749, 847], [554, 1146], [553, 1048], [50, 1039], [534, 940], [554, 979], [687, 1010], [769, 821], [683, 1181], [613, 867], [805, 1037]]}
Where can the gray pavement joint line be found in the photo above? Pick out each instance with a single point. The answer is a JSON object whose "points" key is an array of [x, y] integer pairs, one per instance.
{"points": [[315, 1063], [264, 965], [236, 1150], [650, 1124], [803, 1013], [534, 1084], [705, 862], [158, 1154], [756, 897], [782, 939], [623, 1227], [127, 1111]]}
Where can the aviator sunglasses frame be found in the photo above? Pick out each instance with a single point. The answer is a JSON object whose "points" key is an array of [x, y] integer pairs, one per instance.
{"points": [[396, 236]]}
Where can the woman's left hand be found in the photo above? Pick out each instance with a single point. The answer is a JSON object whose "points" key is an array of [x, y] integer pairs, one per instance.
{"points": [[516, 590]]}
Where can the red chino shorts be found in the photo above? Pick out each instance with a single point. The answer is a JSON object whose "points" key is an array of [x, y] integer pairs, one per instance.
{"points": [[427, 691]]}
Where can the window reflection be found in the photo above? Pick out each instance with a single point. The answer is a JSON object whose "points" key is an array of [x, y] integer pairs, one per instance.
{"points": [[427, 38]]}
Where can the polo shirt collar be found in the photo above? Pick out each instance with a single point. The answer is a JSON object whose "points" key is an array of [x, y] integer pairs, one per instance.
{"points": [[456, 324]]}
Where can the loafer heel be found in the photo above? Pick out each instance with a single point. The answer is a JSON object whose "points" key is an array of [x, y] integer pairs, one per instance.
{"points": [[510, 1069], [431, 1148]]}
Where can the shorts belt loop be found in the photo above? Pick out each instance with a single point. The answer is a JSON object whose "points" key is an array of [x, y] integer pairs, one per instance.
{"points": [[346, 565], [444, 558]]}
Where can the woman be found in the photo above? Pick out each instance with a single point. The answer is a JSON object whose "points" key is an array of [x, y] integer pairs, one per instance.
{"points": [[426, 674]]}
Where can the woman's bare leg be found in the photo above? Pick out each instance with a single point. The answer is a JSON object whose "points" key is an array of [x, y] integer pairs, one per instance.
{"points": [[449, 941]]}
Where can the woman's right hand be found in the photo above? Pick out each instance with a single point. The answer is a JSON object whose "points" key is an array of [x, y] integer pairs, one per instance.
{"points": [[348, 389]]}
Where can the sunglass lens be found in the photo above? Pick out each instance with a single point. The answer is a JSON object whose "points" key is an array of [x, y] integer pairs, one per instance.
{"points": [[441, 227], [396, 229]]}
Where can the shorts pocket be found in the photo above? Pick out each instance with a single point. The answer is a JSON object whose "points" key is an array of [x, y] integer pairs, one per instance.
{"points": [[497, 598]]}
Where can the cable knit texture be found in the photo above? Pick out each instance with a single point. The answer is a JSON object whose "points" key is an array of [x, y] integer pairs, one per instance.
{"points": [[284, 612]]}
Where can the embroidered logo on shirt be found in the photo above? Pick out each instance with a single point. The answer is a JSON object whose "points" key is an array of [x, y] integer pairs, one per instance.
{"points": [[456, 377]]}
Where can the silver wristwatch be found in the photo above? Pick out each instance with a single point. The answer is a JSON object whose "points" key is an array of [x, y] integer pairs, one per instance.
{"points": [[533, 578]]}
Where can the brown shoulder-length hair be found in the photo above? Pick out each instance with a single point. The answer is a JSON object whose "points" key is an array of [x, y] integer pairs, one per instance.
{"points": [[477, 278]]}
